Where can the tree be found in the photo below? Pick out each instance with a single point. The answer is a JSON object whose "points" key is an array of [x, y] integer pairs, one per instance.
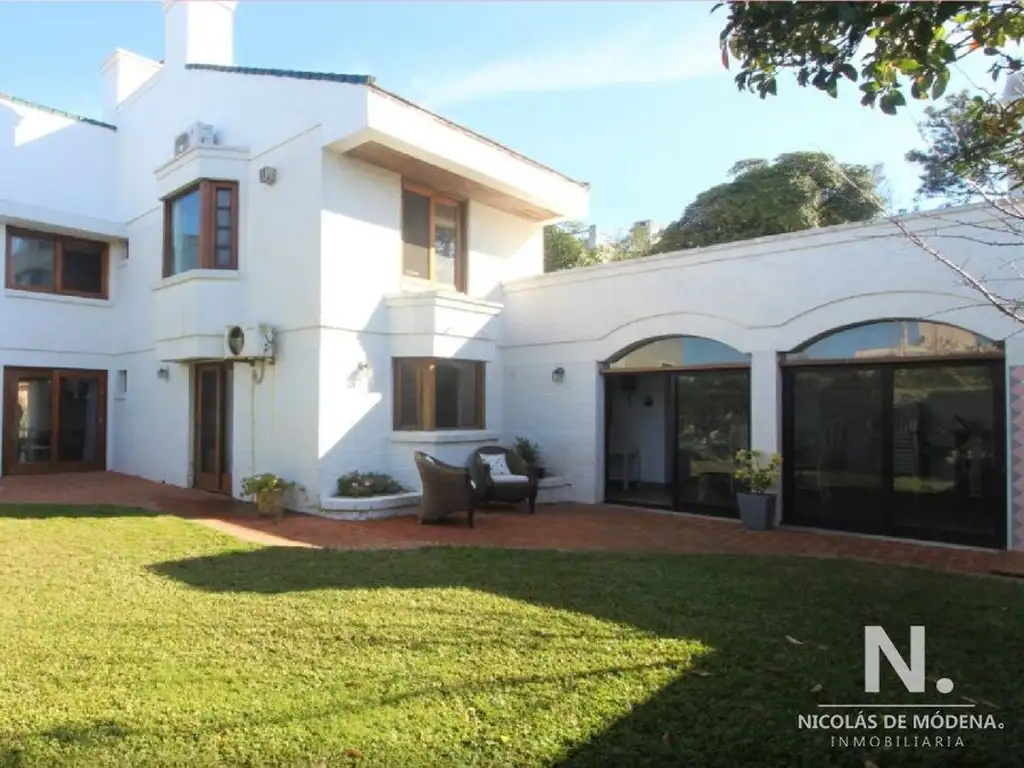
{"points": [[796, 191], [564, 247], [887, 47], [973, 146], [960, 155]]}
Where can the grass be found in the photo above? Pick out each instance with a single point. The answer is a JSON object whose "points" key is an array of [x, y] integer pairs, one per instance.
{"points": [[136, 640]]}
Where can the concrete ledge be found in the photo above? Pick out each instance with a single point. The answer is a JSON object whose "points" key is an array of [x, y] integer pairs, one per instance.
{"points": [[552, 490], [369, 507]]}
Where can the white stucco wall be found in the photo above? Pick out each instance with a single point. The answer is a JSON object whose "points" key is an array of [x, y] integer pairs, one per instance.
{"points": [[319, 252], [761, 297]]}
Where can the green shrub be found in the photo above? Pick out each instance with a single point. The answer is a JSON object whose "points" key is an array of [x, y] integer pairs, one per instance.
{"points": [[361, 484]]}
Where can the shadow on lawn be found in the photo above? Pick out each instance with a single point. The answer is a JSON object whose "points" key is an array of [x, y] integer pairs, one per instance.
{"points": [[778, 629], [10, 511]]}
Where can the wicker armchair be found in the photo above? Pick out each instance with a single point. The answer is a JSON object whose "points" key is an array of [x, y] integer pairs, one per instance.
{"points": [[516, 487], [446, 489]]}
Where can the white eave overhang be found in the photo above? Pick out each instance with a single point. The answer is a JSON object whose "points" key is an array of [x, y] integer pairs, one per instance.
{"points": [[431, 151]]}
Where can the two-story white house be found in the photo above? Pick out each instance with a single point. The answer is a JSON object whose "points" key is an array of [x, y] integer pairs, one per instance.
{"points": [[356, 243], [245, 270]]}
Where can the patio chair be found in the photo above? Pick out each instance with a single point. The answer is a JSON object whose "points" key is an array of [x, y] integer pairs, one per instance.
{"points": [[499, 475], [446, 489]]}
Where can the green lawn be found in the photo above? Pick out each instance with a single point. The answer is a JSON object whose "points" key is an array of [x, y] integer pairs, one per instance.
{"points": [[136, 640]]}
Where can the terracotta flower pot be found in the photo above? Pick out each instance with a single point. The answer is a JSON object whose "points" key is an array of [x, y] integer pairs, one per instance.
{"points": [[270, 504]]}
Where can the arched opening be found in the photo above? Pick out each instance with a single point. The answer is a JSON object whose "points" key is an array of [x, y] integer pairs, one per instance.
{"points": [[676, 411], [897, 427]]}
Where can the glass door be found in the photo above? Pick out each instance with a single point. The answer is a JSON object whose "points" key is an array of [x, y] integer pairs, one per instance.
{"points": [[947, 454], [833, 447], [914, 450], [212, 419], [712, 423], [55, 420]]}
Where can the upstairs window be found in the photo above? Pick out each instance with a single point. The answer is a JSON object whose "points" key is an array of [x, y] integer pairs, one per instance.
{"points": [[434, 394], [47, 263], [433, 241], [201, 228]]}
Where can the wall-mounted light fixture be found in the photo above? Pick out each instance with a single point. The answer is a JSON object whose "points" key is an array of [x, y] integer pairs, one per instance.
{"points": [[163, 372], [558, 375]]}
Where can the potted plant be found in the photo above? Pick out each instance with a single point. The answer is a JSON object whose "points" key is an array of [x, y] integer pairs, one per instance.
{"points": [[757, 505], [268, 491], [529, 451]]}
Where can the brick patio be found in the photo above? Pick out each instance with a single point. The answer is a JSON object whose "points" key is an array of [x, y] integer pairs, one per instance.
{"points": [[557, 526]]}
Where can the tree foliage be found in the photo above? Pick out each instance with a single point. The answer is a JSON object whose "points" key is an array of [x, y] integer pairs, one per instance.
{"points": [[565, 247], [892, 50], [796, 191], [961, 155]]}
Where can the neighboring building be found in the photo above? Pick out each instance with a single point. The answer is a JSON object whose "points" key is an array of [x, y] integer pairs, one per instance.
{"points": [[323, 277]]}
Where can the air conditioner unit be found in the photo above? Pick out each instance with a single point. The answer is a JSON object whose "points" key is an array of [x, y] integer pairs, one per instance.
{"points": [[250, 342], [198, 134]]}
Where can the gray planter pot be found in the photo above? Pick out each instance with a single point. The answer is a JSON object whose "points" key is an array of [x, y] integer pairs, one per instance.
{"points": [[757, 510]]}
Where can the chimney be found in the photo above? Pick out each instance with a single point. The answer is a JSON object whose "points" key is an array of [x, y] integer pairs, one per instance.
{"points": [[121, 75], [199, 32]]}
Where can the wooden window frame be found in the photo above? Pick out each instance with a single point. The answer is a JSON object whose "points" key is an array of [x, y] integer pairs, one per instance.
{"points": [[60, 242], [461, 253], [426, 384], [208, 189]]}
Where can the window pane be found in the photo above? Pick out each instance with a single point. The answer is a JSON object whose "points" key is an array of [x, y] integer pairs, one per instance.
{"points": [[223, 217], [82, 269], [32, 425], [185, 232], [455, 394], [224, 198], [79, 419], [222, 260], [445, 243], [680, 352], [894, 338], [409, 395], [223, 237], [32, 261], [415, 235]]}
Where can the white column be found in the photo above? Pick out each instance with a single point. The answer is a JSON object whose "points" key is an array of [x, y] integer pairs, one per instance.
{"points": [[766, 407]]}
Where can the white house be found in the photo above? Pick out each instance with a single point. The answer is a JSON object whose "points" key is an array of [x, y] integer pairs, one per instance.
{"points": [[348, 233], [244, 270]]}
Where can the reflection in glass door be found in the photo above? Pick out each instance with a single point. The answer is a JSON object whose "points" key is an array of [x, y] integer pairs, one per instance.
{"points": [[55, 420], [712, 424], [947, 455], [911, 450], [833, 460]]}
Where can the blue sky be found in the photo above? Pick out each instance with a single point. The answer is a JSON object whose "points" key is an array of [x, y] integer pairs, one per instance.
{"points": [[630, 97]]}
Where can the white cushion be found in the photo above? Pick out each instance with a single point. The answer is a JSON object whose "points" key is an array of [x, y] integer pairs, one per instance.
{"points": [[496, 462], [502, 479]]}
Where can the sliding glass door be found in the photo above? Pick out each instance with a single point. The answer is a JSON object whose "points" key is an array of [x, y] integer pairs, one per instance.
{"points": [[912, 450], [54, 420], [712, 423]]}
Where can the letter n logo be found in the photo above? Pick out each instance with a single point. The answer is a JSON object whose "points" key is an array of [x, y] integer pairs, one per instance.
{"points": [[876, 643]]}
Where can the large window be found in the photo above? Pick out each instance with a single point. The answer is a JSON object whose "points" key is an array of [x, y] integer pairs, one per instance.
{"points": [[432, 394], [433, 244], [201, 228], [49, 263]]}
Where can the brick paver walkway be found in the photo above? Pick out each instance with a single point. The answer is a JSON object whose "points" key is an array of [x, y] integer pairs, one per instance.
{"points": [[556, 526]]}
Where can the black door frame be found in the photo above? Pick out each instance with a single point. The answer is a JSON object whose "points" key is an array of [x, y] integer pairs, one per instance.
{"points": [[889, 497], [672, 376]]}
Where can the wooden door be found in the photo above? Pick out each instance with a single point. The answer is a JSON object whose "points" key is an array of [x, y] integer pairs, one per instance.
{"points": [[211, 427], [55, 420]]}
